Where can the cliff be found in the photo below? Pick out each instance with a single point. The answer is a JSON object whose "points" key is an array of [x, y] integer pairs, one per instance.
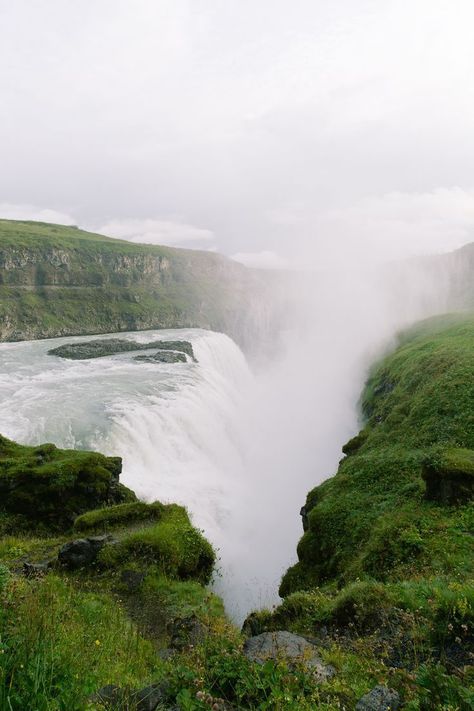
{"points": [[58, 281], [386, 561]]}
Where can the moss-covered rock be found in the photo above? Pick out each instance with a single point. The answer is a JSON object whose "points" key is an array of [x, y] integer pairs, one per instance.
{"points": [[48, 486], [121, 515], [449, 476], [172, 543]]}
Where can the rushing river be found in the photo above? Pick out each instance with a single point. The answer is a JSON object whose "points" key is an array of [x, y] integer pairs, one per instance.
{"points": [[177, 426], [240, 450]]}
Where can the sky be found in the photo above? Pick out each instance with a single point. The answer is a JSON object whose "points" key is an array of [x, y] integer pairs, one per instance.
{"points": [[272, 131]]}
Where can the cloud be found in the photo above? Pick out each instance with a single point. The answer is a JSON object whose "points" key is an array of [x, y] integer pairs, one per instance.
{"points": [[156, 231], [261, 260], [9, 211]]}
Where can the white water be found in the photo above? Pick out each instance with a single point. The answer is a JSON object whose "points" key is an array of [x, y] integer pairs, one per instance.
{"points": [[239, 449], [177, 426]]}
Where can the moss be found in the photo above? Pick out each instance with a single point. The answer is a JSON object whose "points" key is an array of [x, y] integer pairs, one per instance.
{"points": [[449, 476], [173, 544], [373, 518], [48, 486], [111, 517]]}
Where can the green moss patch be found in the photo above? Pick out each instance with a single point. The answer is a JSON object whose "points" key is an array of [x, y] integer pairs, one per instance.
{"points": [[121, 515], [173, 544], [48, 486]]}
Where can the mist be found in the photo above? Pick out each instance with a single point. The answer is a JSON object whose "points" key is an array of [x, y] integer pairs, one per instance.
{"points": [[329, 142]]}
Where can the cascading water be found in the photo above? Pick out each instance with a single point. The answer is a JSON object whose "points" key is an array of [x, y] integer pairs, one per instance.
{"points": [[177, 426], [239, 449]]}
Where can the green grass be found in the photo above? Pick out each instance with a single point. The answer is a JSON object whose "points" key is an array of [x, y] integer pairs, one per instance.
{"points": [[374, 518], [46, 486], [173, 544], [58, 281], [110, 517], [59, 645]]}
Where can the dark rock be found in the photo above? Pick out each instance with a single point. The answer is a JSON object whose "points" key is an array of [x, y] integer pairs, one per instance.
{"points": [[37, 570], [252, 625], [132, 579], [449, 476], [82, 551], [162, 357], [186, 632], [304, 518], [288, 646], [111, 696], [354, 444], [380, 698], [112, 346], [150, 697]]}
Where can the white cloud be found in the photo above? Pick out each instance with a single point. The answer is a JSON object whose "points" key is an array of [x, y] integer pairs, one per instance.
{"points": [[155, 231], [261, 260], [10, 211]]}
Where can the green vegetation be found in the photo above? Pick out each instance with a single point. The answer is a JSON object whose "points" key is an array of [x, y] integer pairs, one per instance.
{"points": [[110, 517], [384, 585], [386, 562], [48, 487], [173, 544], [59, 281]]}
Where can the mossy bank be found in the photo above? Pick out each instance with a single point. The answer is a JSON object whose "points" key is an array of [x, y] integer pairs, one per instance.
{"points": [[386, 562]]}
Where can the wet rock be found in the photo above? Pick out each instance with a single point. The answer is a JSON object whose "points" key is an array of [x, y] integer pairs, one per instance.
{"points": [[380, 698], [82, 551], [162, 357], [288, 646], [103, 347]]}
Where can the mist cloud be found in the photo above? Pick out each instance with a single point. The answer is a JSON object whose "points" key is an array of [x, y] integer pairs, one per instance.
{"points": [[230, 114]]}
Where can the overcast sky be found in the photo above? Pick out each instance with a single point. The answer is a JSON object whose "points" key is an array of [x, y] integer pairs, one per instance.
{"points": [[260, 128]]}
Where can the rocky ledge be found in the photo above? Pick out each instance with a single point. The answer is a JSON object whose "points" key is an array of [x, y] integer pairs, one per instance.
{"points": [[102, 347]]}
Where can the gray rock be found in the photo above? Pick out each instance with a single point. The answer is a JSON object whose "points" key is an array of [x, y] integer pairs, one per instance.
{"points": [[149, 698], [289, 646], [82, 551], [111, 696], [37, 570], [380, 698], [162, 357]]}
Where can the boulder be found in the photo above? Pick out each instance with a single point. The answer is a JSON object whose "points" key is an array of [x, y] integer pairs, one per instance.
{"points": [[37, 570], [380, 698], [82, 551], [290, 647]]}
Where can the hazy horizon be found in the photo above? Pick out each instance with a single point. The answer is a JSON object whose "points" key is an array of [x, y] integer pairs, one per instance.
{"points": [[268, 132]]}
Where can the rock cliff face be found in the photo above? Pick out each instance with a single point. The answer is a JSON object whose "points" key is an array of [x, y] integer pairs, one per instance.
{"points": [[57, 281]]}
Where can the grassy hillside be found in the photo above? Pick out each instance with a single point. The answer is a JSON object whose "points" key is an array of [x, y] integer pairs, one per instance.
{"points": [[386, 562], [57, 280]]}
